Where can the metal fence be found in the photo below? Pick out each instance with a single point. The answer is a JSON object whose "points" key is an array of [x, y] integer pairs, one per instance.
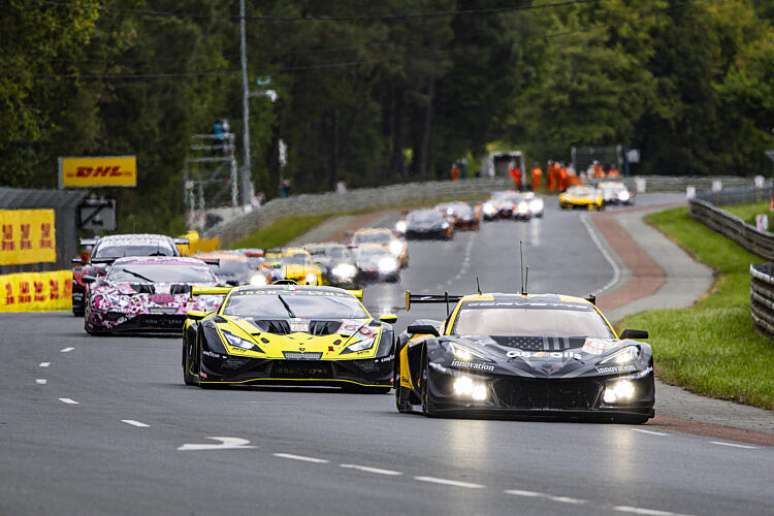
{"points": [[762, 296], [746, 235], [65, 206]]}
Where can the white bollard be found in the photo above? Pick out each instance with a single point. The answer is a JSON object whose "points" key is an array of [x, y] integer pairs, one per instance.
{"points": [[760, 181], [762, 222], [690, 192], [717, 185], [641, 184]]}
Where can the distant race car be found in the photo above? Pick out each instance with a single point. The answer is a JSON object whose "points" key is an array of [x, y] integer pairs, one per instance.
{"points": [[294, 264], [108, 248], [512, 355], [428, 223], [337, 263], [461, 214], [394, 243], [233, 268], [583, 197], [535, 204], [376, 263], [147, 294], [615, 192], [289, 335], [507, 204]]}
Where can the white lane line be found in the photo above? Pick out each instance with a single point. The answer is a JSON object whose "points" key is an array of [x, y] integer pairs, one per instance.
{"points": [[602, 249], [367, 469], [642, 510], [536, 494], [447, 482], [649, 432], [302, 458], [66, 350], [132, 422], [567, 499], [734, 445], [519, 492], [44, 364], [68, 401], [41, 381], [226, 443]]}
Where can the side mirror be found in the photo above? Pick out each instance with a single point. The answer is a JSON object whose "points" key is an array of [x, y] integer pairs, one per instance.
{"points": [[87, 278], [196, 315], [634, 334], [388, 318], [77, 261], [422, 329]]}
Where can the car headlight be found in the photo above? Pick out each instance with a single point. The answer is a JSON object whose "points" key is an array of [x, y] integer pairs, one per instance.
{"points": [[523, 208], [536, 205], [387, 265], [396, 247], [238, 342], [489, 208], [623, 356], [466, 387], [258, 280], [311, 278], [622, 390], [401, 226], [444, 225], [624, 196], [463, 353], [344, 271], [361, 345]]}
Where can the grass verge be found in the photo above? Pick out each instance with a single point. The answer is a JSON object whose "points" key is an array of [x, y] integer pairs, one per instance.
{"points": [[713, 347], [748, 211]]}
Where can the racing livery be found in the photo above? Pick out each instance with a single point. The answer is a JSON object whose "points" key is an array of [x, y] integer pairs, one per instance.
{"points": [[519, 355], [147, 294], [583, 197], [289, 335]]}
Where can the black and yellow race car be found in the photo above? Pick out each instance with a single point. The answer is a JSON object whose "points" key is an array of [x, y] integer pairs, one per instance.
{"points": [[582, 197], [289, 335], [519, 355]]}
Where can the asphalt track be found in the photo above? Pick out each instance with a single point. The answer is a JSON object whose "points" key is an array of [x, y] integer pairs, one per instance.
{"points": [[323, 452]]}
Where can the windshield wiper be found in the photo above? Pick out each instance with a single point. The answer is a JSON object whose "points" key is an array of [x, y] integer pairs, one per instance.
{"points": [[287, 307], [138, 275]]}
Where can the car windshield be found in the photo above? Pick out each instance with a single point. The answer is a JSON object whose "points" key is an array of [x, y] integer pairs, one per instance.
{"points": [[425, 216], [157, 273], [339, 252], [296, 259], [580, 191], [121, 250], [288, 304], [531, 321], [373, 238]]}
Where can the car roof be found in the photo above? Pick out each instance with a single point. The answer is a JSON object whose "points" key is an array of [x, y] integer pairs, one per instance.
{"points": [[370, 245], [291, 288], [527, 299], [362, 231], [223, 256], [159, 260]]}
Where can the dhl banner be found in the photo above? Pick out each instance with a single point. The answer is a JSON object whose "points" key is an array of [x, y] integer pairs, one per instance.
{"points": [[98, 172], [27, 236], [36, 291]]}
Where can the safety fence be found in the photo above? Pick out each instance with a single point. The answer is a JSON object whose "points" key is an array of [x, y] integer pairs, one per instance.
{"points": [[762, 297], [705, 209]]}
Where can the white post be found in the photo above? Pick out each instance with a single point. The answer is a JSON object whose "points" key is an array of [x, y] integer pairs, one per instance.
{"points": [[246, 184]]}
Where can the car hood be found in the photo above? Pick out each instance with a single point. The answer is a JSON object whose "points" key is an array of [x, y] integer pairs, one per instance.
{"points": [[147, 298], [543, 357]]}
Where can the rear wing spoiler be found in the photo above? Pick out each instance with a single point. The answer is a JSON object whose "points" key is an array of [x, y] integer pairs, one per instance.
{"points": [[416, 299], [215, 262], [208, 290], [106, 261], [181, 241], [88, 241]]}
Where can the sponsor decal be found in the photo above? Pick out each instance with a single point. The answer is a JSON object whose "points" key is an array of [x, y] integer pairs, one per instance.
{"points": [[210, 354], [292, 355], [616, 369], [27, 236], [96, 172], [517, 353], [476, 366], [598, 346], [35, 291]]}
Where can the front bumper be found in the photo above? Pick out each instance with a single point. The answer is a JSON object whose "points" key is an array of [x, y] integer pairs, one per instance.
{"points": [[216, 368], [540, 398], [116, 322], [433, 234]]}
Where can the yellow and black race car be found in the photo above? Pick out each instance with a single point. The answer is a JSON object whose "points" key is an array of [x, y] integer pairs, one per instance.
{"points": [[294, 264], [289, 335], [523, 355], [582, 197]]}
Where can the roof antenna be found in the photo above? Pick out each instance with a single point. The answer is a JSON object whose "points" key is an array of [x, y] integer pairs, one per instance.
{"points": [[521, 272], [478, 285]]}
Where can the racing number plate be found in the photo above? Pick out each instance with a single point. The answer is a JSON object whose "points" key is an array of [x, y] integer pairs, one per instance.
{"points": [[299, 326]]}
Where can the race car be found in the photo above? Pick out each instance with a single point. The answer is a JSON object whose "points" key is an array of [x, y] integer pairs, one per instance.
{"points": [[583, 197], [289, 335], [615, 192], [506, 204], [147, 295], [104, 250], [535, 204], [391, 241], [376, 263], [337, 262], [461, 214], [233, 268], [292, 264], [523, 355], [427, 223]]}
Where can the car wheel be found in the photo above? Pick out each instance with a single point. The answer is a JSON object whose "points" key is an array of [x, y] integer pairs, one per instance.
{"points": [[78, 311], [188, 378], [427, 400]]}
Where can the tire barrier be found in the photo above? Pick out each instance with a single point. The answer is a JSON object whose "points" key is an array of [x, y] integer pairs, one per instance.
{"points": [[762, 297]]}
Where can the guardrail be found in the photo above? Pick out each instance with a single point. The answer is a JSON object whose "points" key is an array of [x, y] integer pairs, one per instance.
{"points": [[762, 297], [746, 235]]}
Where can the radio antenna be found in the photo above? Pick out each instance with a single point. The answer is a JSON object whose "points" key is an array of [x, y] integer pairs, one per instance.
{"points": [[478, 285], [521, 271]]}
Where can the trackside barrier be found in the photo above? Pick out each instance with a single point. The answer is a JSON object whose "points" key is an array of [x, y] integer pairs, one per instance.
{"points": [[36, 291], [762, 297]]}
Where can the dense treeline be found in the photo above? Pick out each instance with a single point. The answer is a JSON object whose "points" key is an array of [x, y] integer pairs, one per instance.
{"points": [[377, 92]]}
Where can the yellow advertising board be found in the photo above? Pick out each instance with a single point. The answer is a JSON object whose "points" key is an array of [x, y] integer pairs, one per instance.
{"points": [[27, 236], [36, 291], [98, 172]]}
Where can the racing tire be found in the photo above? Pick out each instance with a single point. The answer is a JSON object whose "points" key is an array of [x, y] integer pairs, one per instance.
{"points": [[401, 403], [393, 279], [94, 332], [427, 409], [78, 312], [188, 378]]}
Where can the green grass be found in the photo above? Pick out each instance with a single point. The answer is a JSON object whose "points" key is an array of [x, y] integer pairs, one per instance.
{"points": [[281, 231], [748, 211], [711, 348]]}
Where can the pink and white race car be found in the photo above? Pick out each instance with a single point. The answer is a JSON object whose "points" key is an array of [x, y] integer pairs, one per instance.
{"points": [[149, 294]]}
